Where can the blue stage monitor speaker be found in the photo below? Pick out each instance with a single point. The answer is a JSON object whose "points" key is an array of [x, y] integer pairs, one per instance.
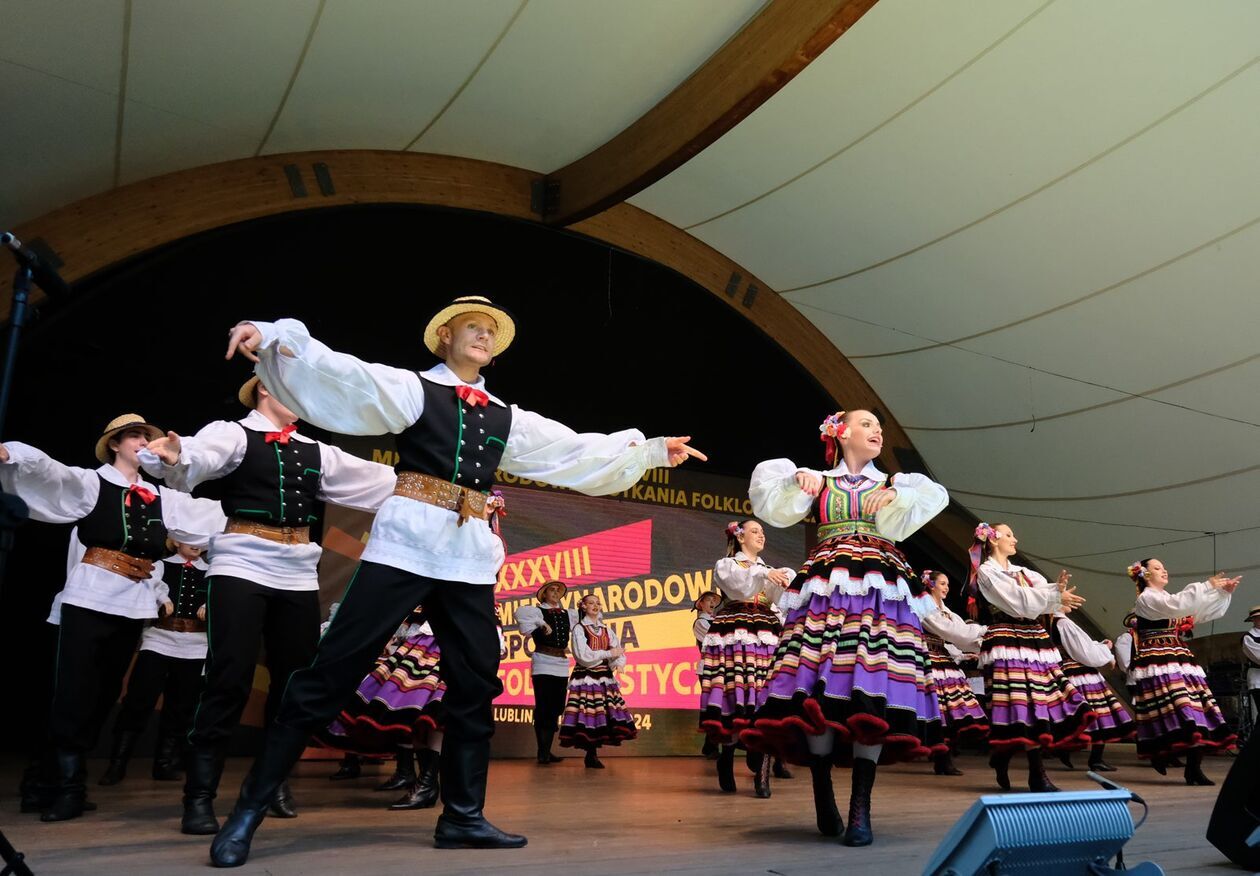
{"points": [[1054, 834]]}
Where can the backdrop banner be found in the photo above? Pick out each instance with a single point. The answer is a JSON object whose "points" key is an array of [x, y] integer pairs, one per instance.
{"points": [[648, 553]]}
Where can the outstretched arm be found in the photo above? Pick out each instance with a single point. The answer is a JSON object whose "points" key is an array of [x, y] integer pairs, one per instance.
{"points": [[545, 450], [54, 493], [331, 390]]}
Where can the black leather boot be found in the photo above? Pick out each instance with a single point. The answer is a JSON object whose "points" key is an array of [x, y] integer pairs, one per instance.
{"points": [[282, 804], [829, 822], [709, 749], [943, 764], [592, 761], [462, 824], [1096, 762], [404, 772], [726, 769], [349, 768], [1001, 763], [426, 789], [119, 756], [69, 791], [1194, 768], [281, 751], [1065, 758], [166, 762], [1038, 781], [780, 770], [201, 784], [859, 832], [761, 778]]}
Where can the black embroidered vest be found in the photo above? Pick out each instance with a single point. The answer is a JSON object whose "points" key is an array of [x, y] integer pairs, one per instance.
{"points": [[187, 588], [558, 620], [275, 483], [137, 529], [453, 440]]}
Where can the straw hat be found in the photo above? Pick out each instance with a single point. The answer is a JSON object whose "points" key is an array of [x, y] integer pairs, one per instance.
{"points": [[503, 336], [122, 424], [538, 594], [248, 394], [1254, 613]]}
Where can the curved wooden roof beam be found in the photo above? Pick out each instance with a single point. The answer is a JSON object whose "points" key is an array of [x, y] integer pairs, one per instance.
{"points": [[742, 75]]}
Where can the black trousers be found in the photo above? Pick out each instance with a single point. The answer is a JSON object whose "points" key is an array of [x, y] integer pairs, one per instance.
{"points": [[377, 599], [1255, 705], [177, 680], [241, 615], [550, 692], [93, 652]]}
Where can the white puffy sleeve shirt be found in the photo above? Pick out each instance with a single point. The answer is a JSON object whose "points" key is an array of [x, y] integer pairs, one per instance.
{"points": [[1200, 600], [342, 393], [588, 657], [1122, 648], [778, 500], [57, 493], [218, 449], [1251, 650], [1079, 646], [1003, 590], [743, 580], [530, 618], [954, 630], [170, 643]]}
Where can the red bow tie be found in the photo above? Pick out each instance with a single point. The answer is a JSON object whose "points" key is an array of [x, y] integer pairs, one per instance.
{"points": [[146, 496], [188, 564], [474, 397], [282, 436]]}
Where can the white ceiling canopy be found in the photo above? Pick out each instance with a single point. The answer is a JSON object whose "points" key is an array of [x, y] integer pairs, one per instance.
{"points": [[1033, 225]]}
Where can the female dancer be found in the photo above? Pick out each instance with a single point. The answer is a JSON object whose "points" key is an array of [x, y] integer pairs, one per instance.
{"points": [[398, 708], [1176, 712], [595, 714], [738, 648], [1082, 658], [1033, 706], [851, 677], [949, 638]]}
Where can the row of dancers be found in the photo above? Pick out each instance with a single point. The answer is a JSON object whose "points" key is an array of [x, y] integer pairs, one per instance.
{"points": [[847, 681], [856, 668]]}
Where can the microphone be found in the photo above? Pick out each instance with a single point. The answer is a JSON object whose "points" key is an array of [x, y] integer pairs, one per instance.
{"points": [[42, 272]]}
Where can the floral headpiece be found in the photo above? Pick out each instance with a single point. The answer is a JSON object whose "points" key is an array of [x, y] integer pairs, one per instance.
{"points": [[831, 430], [734, 530], [985, 532], [1136, 571], [927, 577]]}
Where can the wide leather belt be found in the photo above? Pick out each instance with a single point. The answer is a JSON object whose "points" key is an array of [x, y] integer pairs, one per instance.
{"points": [[180, 624], [136, 568], [550, 651], [435, 491], [278, 534]]}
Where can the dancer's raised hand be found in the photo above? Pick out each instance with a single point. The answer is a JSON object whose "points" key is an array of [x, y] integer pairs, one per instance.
{"points": [[679, 452], [244, 338]]}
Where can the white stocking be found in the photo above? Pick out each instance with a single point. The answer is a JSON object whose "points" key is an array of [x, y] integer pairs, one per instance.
{"points": [[821, 745]]}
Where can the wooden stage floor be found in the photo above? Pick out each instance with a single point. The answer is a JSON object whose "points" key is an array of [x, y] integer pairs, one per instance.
{"points": [[639, 816]]}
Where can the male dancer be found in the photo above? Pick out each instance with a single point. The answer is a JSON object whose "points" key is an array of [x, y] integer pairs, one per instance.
{"points": [[263, 585], [121, 522], [549, 624], [429, 543]]}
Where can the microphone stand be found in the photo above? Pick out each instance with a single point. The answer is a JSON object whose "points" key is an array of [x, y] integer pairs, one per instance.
{"points": [[13, 511]]}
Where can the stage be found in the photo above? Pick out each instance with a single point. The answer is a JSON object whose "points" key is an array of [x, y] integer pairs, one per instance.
{"points": [[639, 816]]}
